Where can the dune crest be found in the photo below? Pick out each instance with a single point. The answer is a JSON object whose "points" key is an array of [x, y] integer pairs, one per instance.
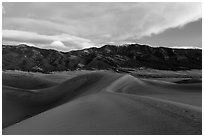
{"points": [[123, 84]]}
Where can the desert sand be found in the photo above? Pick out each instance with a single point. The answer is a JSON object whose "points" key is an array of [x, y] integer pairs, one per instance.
{"points": [[100, 102]]}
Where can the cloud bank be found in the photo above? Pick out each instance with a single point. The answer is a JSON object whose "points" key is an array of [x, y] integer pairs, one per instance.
{"points": [[67, 26], [63, 42]]}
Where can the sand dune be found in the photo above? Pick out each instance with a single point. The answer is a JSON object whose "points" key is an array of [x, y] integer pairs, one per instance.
{"points": [[25, 81], [110, 113], [28, 101], [104, 103]]}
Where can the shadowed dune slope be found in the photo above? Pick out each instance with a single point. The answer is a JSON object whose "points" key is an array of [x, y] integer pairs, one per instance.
{"points": [[187, 81], [25, 81], [14, 109], [25, 103], [105, 103]]}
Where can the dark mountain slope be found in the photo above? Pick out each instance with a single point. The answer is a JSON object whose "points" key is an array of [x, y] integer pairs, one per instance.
{"points": [[26, 58]]}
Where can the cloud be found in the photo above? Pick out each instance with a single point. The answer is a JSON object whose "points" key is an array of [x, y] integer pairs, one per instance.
{"points": [[57, 43], [81, 25], [168, 16], [3, 10], [154, 18], [64, 42], [36, 25]]}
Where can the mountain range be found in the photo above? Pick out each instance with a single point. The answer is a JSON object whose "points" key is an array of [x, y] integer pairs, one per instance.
{"points": [[117, 58]]}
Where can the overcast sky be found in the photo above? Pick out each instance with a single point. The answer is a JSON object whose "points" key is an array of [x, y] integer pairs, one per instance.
{"points": [[70, 26]]}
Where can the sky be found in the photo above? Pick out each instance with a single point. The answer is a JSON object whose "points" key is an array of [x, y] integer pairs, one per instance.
{"points": [[73, 26]]}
